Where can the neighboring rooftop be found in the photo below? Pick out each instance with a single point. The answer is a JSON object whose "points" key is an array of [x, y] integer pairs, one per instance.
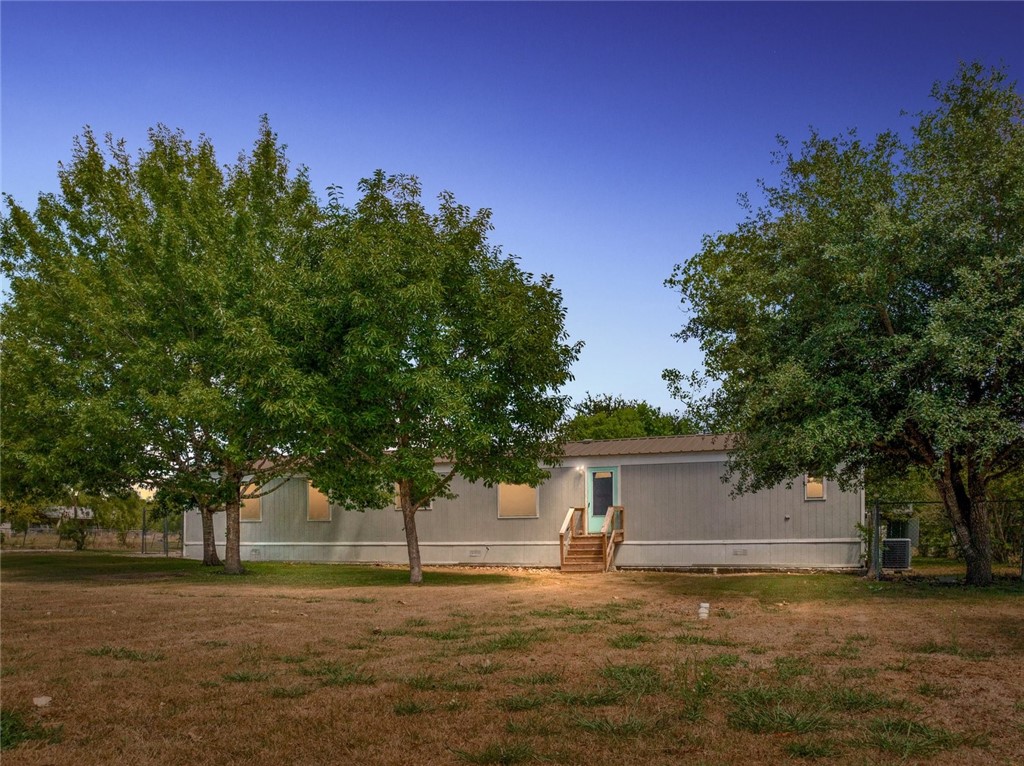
{"points": [[650, 445]]}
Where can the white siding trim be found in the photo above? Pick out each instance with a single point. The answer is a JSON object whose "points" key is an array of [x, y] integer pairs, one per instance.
{"points": [[621, 460], [514, 543], [364, 544], [757, 541]]}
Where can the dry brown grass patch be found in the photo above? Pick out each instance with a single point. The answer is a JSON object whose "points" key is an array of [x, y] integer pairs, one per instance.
{"points": [[151, 672]]}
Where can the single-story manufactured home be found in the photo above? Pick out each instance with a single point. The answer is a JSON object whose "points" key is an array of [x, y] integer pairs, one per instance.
{"points": [[651, 502]]}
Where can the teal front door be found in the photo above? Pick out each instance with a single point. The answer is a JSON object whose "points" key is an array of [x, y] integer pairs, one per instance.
{"points": [[602, 491]]}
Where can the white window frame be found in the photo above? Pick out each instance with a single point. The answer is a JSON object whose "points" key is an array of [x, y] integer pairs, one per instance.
{"points": [[536, 503], [808, 478], [310, 489], [259, 508], [398, 502]]}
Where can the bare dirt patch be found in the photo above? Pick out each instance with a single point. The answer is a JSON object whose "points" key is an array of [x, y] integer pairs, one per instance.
{"points": [[575, 669]]}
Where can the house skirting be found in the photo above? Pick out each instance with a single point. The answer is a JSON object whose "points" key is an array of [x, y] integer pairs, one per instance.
{"points": [[842, 553]]}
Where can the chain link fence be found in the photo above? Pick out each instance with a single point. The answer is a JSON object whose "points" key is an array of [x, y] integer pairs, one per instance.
{"points": [[157, 540]]}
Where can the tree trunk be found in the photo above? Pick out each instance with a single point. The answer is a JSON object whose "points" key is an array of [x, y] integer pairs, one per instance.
{"points": [[232, 549], [979, 569], [968, 513], [210, 557], [412, 541]]}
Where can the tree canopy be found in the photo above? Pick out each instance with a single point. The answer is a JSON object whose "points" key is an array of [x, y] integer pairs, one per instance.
{"points": [[202, 330], [427, 343], [141, 339], [870, 315], [613, 417]]}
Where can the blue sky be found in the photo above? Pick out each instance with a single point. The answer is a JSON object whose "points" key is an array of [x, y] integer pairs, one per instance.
{"points": [[606, 138]]}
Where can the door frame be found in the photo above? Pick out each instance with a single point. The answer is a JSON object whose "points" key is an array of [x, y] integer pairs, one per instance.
{"points": [[596, 521]]}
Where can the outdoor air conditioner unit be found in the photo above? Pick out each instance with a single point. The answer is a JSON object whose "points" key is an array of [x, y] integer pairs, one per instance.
{"points": [[896, 553]]}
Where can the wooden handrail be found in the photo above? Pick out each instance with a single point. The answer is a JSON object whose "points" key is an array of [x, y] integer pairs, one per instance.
{"points": [[568, 520], [566, 533], [611, 533]]}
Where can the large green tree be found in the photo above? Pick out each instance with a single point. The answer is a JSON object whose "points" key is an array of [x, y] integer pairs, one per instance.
{"points": [[140, 341], [121, 513], [870, 315], [613, 417], [427, 344]]}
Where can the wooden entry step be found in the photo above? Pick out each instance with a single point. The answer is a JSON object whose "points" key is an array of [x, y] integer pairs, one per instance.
{"points": [[581, 551], [585, 554]]}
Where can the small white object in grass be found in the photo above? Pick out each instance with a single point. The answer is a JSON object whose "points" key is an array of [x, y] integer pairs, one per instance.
{"points": [[41, 701], [704, 611]]}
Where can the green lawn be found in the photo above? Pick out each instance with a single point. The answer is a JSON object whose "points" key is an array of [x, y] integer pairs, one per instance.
{"points": [[932, 578], [103, 567]]}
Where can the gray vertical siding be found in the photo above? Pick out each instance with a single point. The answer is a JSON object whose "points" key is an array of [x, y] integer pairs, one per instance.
{"points": [[678, 515], [684, 516]]}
